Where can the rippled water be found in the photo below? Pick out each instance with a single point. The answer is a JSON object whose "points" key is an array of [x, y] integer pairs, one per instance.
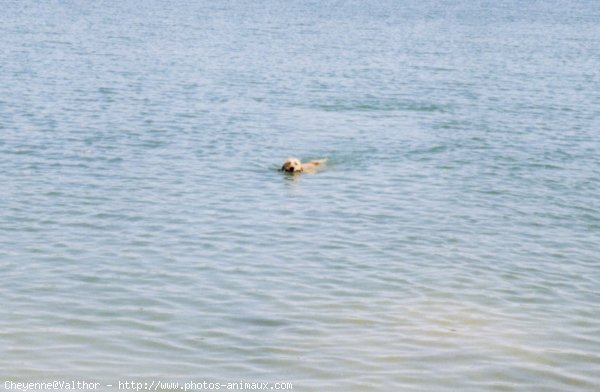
{"points": [[452, 243]]}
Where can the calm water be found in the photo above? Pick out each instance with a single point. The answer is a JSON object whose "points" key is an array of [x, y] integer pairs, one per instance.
{"points": [[453, 243]]}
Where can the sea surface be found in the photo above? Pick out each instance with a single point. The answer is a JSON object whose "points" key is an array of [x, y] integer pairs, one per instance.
{"points": [[451, 244]]}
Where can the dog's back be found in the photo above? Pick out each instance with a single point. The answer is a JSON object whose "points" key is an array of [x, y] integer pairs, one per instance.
{"points": [[313, 166]]}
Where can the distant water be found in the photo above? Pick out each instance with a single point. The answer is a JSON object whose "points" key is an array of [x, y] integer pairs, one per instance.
{"points": [[453, 243]]}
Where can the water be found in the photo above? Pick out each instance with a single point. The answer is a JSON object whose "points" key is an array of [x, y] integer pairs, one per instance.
{"points": [[452, 243]]}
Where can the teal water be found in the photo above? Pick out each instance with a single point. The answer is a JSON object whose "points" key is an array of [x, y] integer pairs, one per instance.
{"points": [[453, 243]]}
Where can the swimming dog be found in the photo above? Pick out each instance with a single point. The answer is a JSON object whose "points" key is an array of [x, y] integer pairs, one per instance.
{"points": [[293, 165]]}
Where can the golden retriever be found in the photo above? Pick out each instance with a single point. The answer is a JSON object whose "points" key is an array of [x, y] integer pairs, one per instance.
{"points": [[293, 165]]}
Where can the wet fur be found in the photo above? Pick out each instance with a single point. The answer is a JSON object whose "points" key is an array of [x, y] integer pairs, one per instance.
{"points": [[294, 165]]}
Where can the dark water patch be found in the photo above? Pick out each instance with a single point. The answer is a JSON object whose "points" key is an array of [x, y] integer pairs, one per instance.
{"points": [[380, 106]]}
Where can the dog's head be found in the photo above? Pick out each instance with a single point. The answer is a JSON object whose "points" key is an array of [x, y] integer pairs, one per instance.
{"points": [[292, 165]]}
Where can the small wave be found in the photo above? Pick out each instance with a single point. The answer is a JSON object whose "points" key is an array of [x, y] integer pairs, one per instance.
{"points": [[381, 106]]}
